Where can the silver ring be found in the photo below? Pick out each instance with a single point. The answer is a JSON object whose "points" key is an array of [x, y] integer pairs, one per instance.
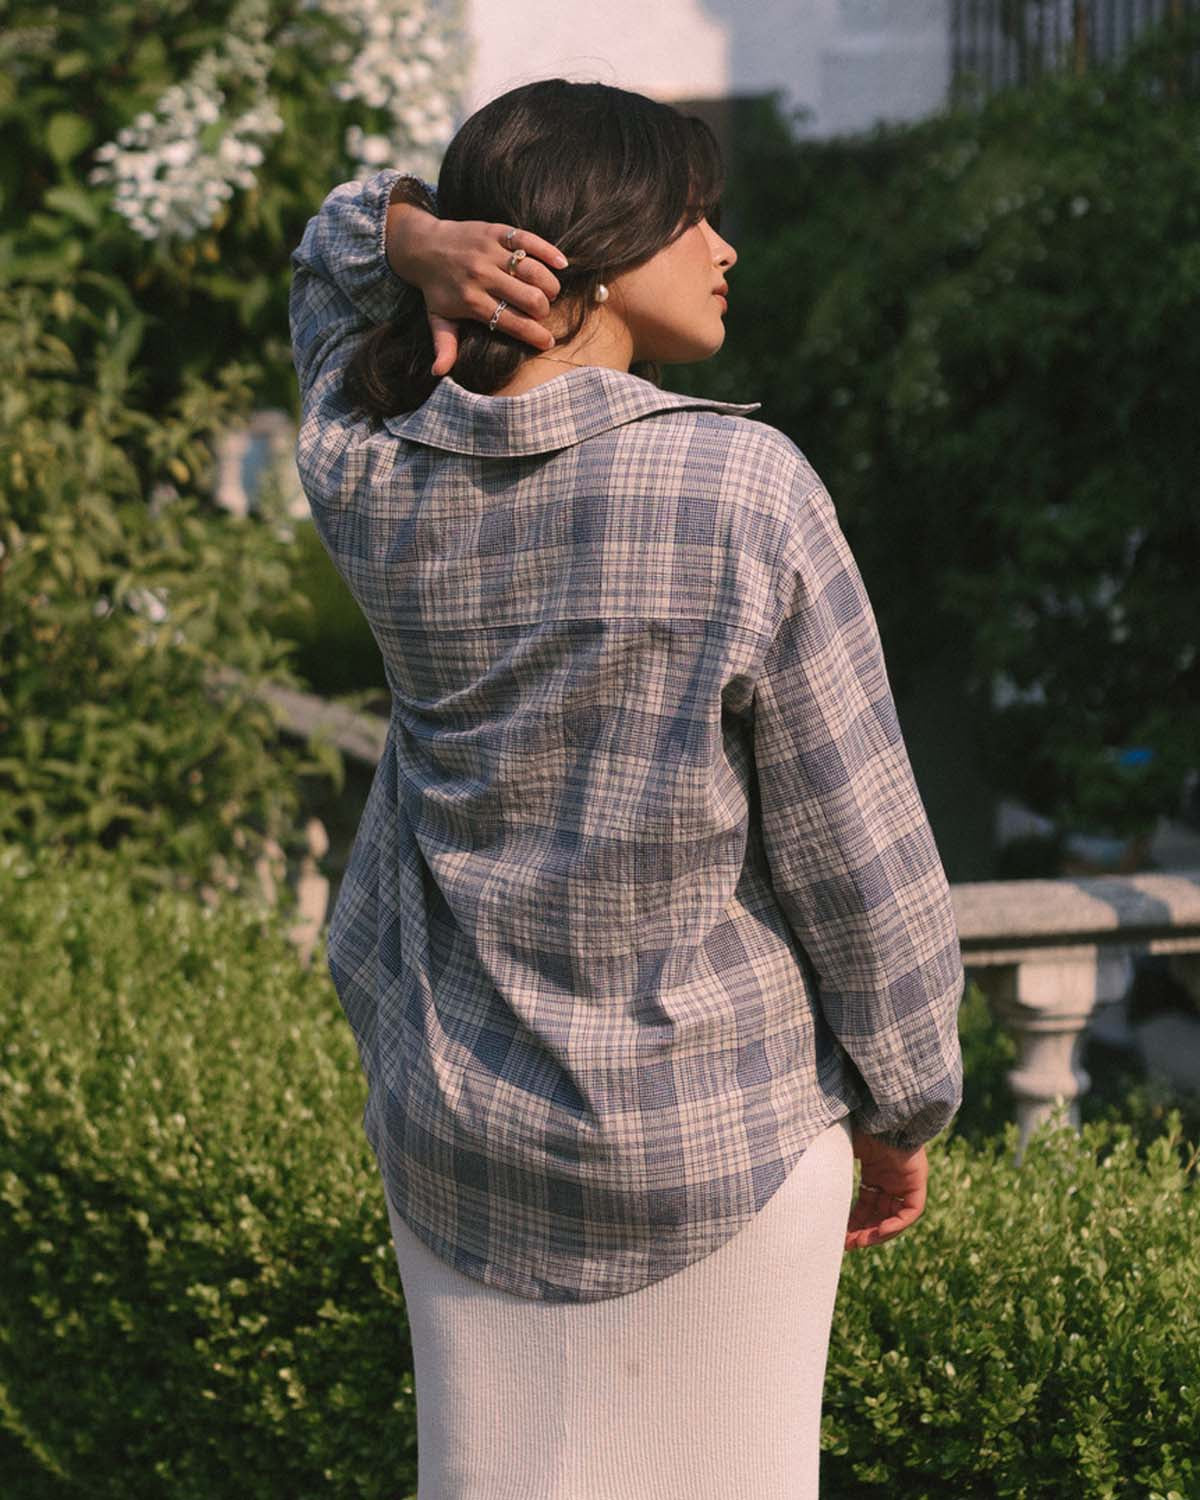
{"points": [[515, 259], [508, 238], [500, 306]]}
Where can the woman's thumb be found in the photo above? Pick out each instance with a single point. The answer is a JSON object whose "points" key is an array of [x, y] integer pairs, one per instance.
{"points": [[445, 343]]}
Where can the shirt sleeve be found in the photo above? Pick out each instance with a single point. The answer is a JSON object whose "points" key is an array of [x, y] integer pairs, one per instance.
{"points": [[850, 850], [342, 284]]}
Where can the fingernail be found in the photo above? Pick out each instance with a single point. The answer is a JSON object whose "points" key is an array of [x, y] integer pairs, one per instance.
{"points": [[562, 261], [553, 341]]}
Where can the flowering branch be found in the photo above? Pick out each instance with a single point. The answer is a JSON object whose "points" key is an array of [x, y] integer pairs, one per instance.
{"points": [[174, 166]]}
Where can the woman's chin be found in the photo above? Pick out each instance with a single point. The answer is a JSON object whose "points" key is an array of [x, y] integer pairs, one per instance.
{"points": [[688, 351]]}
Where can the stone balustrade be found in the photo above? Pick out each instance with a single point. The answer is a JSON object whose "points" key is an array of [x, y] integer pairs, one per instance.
{"points": [[1054, 957]]}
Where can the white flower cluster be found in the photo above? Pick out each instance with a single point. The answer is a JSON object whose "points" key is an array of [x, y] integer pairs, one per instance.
{"points": [[405, 64], [169, 179], [174, 166]]}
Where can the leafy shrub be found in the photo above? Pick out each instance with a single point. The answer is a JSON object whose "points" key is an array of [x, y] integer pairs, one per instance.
{"points": [[1035, 1335], [177, 150], [159, 163], [121, 597], [989, 1052], [984, 329], [335, 650], [201, 1298]]}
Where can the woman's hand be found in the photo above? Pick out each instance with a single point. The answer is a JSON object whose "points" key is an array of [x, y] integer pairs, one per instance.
{"points": [[891, 1193], [461, 267]]}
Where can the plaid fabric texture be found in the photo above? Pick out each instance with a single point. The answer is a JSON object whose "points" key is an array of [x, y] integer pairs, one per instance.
{"points": [[644, 896]]}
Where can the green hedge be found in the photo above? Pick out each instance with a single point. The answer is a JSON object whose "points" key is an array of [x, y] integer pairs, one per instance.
{"points": [[200, 1297], [1035, 1335]]}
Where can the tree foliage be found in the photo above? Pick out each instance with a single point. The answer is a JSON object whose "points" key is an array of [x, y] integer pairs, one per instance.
{"points": [[984, 330], [158, 165], [122, 597], [177, 151]]}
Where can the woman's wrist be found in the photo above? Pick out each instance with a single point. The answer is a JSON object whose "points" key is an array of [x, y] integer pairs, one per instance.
{"points": [[407, 230]]}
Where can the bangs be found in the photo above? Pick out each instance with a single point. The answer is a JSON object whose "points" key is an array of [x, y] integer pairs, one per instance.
{"points": [[706, 174]]}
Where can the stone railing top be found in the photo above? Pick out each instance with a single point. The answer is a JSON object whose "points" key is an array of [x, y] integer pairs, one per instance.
{"points": [[1095, 909], [356, 733], [996, 918]]}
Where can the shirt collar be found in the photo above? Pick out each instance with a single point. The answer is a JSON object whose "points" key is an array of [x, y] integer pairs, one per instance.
{"points": [[561, 411]]}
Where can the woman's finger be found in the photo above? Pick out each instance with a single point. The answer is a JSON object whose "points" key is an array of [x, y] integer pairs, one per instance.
{"points": [[526, 329], [445, 343], [863, 1239], [519, 291], [532, 244], [531, 273], [871, 1222], [876, 1234]]}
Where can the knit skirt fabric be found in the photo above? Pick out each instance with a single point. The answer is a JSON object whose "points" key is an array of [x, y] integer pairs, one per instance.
{"points": [[703, 1386]]}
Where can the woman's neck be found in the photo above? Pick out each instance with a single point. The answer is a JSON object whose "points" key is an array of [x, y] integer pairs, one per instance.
{"points": [[606, 344]]}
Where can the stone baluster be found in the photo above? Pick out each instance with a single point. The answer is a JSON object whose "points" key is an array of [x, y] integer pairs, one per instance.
{"points": [[1055, 959], [312, 891], [1048, 1003]]}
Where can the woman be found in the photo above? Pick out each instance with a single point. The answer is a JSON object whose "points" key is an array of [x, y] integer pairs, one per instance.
{"points": [[644, 936]]}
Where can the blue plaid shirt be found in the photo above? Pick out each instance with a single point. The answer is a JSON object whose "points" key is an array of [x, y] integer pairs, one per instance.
{"points": [[644, 896]]}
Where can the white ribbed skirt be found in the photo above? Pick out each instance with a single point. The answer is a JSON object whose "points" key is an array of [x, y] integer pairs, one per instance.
{"points": [[703, 1386]]}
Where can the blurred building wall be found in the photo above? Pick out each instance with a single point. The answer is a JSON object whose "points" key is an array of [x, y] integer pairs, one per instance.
{"points": [[849, 62]]}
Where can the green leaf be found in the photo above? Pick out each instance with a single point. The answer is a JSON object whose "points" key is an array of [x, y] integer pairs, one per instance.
{"points": [[150, 59], [45, 265], [70, 64], [128, 339], [75, 202], [66, 136]]}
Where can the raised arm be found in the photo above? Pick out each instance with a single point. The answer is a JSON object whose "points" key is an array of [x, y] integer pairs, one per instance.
{"points": [[852, 857], [376, 242], [343, 283]]}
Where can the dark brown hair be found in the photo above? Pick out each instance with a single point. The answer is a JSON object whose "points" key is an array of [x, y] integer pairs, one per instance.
{"points": [[607, 175]]}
